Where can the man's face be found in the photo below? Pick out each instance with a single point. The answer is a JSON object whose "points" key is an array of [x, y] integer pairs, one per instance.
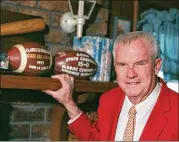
{"points": [[135, 69]]}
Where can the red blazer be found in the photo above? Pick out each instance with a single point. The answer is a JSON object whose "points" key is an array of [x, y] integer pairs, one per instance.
{"points": [[161, 125]]}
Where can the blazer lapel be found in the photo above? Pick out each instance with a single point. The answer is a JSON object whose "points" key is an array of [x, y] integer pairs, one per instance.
{"points": [[157, 120], [113, 132]]}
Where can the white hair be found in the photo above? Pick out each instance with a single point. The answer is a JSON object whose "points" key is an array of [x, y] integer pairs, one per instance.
{"points": [[149, 38]]}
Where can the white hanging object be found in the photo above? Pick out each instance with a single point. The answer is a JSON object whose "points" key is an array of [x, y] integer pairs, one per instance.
{"points": [[68, 23], [75, 19]]}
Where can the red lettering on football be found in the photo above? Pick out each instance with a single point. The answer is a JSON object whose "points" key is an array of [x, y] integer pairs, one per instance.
{"points": [[29, 58], [78, 64]]}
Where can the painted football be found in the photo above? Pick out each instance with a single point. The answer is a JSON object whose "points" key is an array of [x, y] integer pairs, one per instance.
{"points": [[29, 58], [78, 64]]}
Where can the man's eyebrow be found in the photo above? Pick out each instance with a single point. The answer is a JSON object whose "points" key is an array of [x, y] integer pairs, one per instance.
{"points": [[120, 62], [143, 60]]}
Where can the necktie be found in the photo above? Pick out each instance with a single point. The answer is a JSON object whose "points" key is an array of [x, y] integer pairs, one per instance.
{"points": [[129, 130]]}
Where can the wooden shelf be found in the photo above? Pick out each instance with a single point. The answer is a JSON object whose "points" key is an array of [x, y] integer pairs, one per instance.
{"points": [[44, 83]]}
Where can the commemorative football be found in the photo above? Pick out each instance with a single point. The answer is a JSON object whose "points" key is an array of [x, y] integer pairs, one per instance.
{"points": [[29, 58], [78, 64]]}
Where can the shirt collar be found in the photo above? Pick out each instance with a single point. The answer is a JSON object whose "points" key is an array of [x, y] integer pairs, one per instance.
{"points": [[143, 107]]}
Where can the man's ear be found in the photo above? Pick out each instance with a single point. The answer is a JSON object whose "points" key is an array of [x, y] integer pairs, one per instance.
{"points": [[158, 64]]}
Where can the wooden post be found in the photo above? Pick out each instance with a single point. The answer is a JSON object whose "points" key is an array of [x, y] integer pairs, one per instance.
{"points": [[135, 15], [59, 130]]}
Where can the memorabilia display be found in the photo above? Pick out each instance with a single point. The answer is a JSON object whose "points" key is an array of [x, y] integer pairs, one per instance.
{"points": [[120, 26], [4, 62], [23, 26]]}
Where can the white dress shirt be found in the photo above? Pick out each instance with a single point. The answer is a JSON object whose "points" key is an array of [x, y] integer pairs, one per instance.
{"points": [[143, 109], [72, 120]]}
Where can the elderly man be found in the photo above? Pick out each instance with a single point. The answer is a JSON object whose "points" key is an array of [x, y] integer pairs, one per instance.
{"points": [[141, 108]]}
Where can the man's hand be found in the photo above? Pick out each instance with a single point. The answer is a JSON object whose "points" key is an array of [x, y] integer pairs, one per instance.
{"points": [[64, 94]]}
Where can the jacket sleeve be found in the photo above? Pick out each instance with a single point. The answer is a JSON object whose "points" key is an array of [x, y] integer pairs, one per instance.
{"points": [[84, 130]]}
